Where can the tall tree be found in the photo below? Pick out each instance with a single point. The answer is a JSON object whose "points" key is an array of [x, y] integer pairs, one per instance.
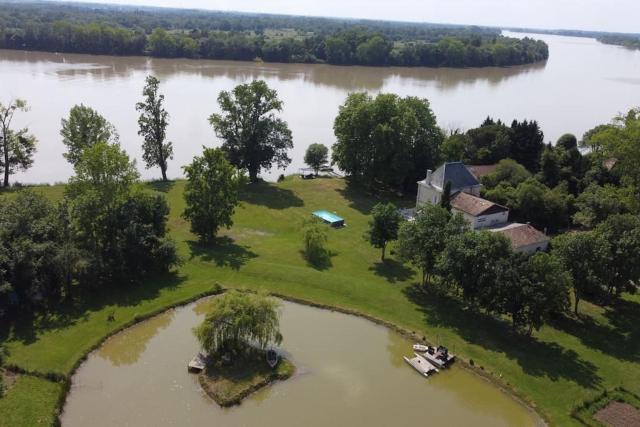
{"points": [[445, 202], [469, 262], [153, 123], [84, 128], [507, 172], [597, 203], [530, 289], [316, 156], [30, 274], [622, 232], [621, 141], [383, 226], [454, 148], [386, 140], [550, 167], [238, 320], [489, 143], [585, 255], [103, 180], [120, 225], [254, 137], [211, 193], [527, 143], [16, 147], [420, 242]]}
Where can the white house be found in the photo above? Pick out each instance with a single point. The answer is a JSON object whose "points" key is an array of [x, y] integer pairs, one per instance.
{"points": [[478, 212], [462, 180], [524, 238]]}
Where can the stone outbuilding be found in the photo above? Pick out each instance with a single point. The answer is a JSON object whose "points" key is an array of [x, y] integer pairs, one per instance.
{"points": [[524, 237]]}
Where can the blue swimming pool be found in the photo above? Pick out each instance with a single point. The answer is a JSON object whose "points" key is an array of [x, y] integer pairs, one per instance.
{"points": [[330, 218]]}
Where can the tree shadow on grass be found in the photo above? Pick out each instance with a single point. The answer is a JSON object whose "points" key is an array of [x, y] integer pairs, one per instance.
{"points": [[270, 195], [620, 340], [224, 252], [363, 199], [321, 261], [161, 186], [392, 270], [26, 327], [625, 318], [536, 358]]}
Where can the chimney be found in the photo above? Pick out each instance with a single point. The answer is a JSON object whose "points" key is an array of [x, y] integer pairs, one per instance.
{"points": [[428, 178]]}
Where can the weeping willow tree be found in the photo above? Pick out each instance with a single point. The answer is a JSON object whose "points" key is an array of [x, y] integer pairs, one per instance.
{"points": [[239, 320]]}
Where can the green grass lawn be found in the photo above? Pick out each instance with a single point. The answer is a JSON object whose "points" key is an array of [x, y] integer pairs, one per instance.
{"points": [[30, 401], [557, 369]]}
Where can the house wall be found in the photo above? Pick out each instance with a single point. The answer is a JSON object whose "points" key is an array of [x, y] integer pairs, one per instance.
{"points": [[532, 249], [427, 194], [484, 221], [468, 218]]}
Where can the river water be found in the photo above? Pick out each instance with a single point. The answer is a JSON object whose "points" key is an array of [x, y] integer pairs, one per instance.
{"points": [[350, 372], [584, 83]]}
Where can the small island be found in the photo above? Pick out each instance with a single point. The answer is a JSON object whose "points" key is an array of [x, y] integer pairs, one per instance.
{"points": [[236, 337]]}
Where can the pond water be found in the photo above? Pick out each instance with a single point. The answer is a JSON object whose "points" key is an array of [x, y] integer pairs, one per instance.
{"points": [[350, 371], [584, 83]]}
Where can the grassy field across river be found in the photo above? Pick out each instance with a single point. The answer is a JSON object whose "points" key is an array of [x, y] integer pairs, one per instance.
{"points": [[557, 369]]}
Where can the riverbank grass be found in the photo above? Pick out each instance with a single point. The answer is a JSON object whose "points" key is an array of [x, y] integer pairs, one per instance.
{"points": [[230, 383]]}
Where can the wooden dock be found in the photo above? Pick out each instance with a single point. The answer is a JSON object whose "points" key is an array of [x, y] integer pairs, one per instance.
{"points": [[421, 365], [198, 363]]}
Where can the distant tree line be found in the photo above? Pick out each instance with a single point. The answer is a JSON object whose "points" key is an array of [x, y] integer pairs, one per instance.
{"points": [[76, 29], [632, 42]]}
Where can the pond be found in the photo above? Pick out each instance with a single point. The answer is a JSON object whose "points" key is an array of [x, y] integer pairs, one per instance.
{"points": [[350, 371]]}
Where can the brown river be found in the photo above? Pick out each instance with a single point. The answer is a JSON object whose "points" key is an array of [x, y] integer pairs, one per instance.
{"points": [[584, 83], [350, 372]]}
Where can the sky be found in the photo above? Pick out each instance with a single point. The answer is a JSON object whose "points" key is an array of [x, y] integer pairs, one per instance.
{"points": [[596, 15]]}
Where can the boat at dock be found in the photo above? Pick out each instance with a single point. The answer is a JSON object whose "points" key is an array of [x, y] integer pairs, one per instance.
{"points": [[438, 356], [420, 348], [421, 365], [272, 358]]}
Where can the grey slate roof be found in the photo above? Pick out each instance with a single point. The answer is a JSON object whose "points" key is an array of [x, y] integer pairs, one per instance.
{"points": [[457, 173]]}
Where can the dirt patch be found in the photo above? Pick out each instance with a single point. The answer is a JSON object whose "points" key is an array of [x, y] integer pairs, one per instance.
{"points": [[9, 378], [243, 233], [618, 414]]}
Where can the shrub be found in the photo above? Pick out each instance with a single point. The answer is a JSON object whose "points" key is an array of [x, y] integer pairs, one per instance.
{"points": [[315, 241]]}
